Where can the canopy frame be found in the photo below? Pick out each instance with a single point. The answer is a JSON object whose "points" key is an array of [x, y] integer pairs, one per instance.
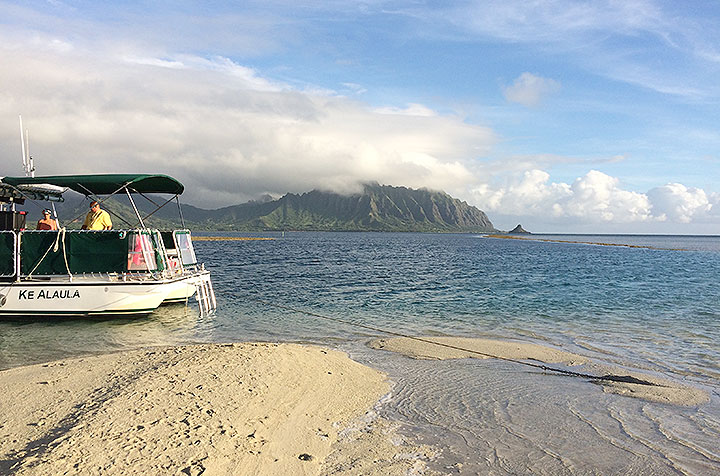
{"points": [[111, 184], [103, 200]]}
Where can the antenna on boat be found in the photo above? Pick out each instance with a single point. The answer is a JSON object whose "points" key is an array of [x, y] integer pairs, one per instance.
{"points": [[28, 163]]}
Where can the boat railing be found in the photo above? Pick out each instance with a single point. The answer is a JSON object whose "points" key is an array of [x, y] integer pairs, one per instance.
{"points": [[47, 253], [8, 255]]}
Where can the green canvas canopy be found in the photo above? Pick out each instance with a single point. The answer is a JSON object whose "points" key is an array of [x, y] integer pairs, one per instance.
{"points": [[105, 184]]}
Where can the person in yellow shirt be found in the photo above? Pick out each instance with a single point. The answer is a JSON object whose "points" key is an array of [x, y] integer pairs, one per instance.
{"points": [[97, 219]]}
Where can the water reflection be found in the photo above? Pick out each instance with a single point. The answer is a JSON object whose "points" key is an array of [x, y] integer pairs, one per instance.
{"points": [[26, 341]]}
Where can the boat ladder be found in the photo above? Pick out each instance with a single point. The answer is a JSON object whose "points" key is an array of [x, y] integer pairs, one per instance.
{"points": [[205, 295]]}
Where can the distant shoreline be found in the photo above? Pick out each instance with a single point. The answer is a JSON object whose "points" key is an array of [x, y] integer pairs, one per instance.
{"points": [[597, 243]]}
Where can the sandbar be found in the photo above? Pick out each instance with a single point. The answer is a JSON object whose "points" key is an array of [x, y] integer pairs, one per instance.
{"points": [[240, 409], [596, 243], [449, 348], [661, 390]]}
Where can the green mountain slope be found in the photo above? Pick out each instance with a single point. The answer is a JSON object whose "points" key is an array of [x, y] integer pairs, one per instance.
{"points": [[378, 208]]}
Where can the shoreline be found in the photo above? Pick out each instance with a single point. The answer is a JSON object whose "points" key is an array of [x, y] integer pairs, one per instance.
{"points": [[290, 408], [244, 408], [653, 388]]}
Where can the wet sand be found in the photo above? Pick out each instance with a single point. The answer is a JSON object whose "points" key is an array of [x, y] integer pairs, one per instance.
{"points": [[660, 389], [255, 409], [247, 409]]}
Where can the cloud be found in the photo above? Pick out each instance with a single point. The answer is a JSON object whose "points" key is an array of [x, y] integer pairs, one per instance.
{"points": [[654, 45], [678, 203], [156, 62], [231, 132], [355, 88], [529, 89], [597, 201], [593, 198], [599, 196], [410, 110], [555, 21], [222, 128]]}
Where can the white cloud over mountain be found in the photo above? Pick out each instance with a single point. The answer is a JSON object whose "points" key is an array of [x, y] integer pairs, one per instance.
{"points": [[222, 128], [231, 134]]}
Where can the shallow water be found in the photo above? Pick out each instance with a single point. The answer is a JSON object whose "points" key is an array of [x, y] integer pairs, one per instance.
{"points": [[648, 309]]}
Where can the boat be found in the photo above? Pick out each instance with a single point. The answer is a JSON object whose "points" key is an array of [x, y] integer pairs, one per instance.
{"points": [[127, 271]]}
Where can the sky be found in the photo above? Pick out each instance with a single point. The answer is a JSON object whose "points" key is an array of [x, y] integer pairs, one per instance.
{"points": [[563, 115]]}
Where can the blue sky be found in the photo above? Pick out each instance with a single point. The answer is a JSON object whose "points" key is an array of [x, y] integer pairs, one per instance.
{"points": [[565, 116]]}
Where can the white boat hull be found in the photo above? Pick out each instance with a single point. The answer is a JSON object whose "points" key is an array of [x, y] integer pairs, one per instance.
{"points": [[181, 291], [90, 297]]}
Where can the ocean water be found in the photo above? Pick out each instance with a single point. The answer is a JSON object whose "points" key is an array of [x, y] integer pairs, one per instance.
{"points": [[650, 306]]}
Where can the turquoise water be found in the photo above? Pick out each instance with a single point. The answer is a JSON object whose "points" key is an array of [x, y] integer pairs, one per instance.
{"points": [[655, 306], [641, 308]]}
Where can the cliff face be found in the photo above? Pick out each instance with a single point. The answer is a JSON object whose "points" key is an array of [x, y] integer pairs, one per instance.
{"points": [[378, 208]]}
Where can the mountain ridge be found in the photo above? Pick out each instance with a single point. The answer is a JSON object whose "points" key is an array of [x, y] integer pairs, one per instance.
{"points": [[376, 208]]}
